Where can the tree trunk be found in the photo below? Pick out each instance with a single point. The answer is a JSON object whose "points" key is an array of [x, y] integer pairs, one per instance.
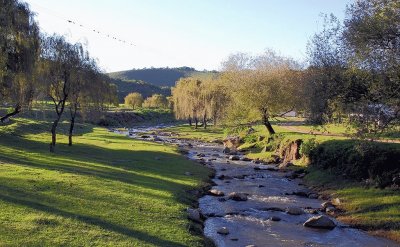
{"points": [[205, 121], [55, 124], [17, 110], [190, 122], [267, 124], [71, 129], [215, 120], [72, 124], [196, 121], [54, 135]]}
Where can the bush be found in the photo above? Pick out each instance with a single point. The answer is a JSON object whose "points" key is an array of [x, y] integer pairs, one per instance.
{"points": [[358, 160], [307, 146], [252, 138]]}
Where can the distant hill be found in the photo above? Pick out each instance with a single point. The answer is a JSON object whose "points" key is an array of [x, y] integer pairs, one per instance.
{"points": [[162, 77], [125, 87]]}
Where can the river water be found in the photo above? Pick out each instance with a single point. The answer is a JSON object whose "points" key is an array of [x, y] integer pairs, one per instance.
{"points": [[268, 195]]}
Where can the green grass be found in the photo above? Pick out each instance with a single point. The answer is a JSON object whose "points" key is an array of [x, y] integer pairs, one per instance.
{"points": [[368, 208], [188, 132], [105, 190]]}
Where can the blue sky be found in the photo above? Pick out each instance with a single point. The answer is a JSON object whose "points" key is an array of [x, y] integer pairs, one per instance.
{"points": [[172, 33]]}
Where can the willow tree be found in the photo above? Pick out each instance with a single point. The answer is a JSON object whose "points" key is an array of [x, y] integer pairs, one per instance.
{"points": [[19, 52], [189, 102]]}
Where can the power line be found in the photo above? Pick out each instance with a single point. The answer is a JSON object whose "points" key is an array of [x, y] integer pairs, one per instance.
{"points": [[89, 28]]}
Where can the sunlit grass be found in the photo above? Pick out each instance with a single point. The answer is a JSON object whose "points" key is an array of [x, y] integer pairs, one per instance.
{"points": [[106, 190]]}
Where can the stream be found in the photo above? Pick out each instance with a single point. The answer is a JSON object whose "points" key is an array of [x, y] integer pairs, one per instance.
{"points": [[258, 215]]}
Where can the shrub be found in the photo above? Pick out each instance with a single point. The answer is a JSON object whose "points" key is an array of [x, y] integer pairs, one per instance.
{"points": [[358, 160], [307, 146]]}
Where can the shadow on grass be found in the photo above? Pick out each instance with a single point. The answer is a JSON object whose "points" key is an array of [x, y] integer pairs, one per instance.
{"points": [[89, 220], [118, 165], [138, 168]]}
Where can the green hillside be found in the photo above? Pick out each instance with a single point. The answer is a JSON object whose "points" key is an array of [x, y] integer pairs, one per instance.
{"points": [[125, 87], [163, 77]]}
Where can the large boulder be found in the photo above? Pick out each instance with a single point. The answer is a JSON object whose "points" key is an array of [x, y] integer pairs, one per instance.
{"points": [[321, 221]]}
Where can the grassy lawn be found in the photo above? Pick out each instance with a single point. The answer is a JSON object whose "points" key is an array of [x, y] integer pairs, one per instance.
{"points": [[106, 190]]}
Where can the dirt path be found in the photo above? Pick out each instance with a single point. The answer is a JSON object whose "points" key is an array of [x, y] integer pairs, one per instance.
{"points": [[297, 129]]}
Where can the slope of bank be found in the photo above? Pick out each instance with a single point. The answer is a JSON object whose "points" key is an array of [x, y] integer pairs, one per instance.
{"points": [[105, 190]]}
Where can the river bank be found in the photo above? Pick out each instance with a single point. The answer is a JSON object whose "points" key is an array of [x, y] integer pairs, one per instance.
{"points": [[253, 204]]}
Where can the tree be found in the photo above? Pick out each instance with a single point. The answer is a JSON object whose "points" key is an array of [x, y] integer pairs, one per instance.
{"points": [[19, 51], [134, 100], [325, 75], [188, 99], [60, 60], [262, 87], [156, 101], [372, 38]]}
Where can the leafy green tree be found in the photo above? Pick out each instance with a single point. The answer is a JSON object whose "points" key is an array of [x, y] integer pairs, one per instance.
{"points": [[372, 38], [262, 87]]}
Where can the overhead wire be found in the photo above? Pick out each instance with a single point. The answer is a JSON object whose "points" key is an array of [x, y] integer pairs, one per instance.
{"points": [[81, 25]]}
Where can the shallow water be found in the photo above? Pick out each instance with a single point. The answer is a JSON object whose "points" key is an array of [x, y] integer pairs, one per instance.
{"points": [[249, 221]]}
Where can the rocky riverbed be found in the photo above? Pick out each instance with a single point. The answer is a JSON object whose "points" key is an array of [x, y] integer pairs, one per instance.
{"points": [[260, 205]]}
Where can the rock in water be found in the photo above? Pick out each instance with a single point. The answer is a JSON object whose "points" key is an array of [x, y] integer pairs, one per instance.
{"points": [[294, 211], [194, 214], [226, 150], [234, 157], [326, 204], [215, 192], [223, 231], [321, 221], [275, 218], [235, 196]]}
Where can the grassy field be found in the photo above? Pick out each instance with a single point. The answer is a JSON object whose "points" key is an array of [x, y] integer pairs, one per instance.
{"points": [[106, 190]]}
